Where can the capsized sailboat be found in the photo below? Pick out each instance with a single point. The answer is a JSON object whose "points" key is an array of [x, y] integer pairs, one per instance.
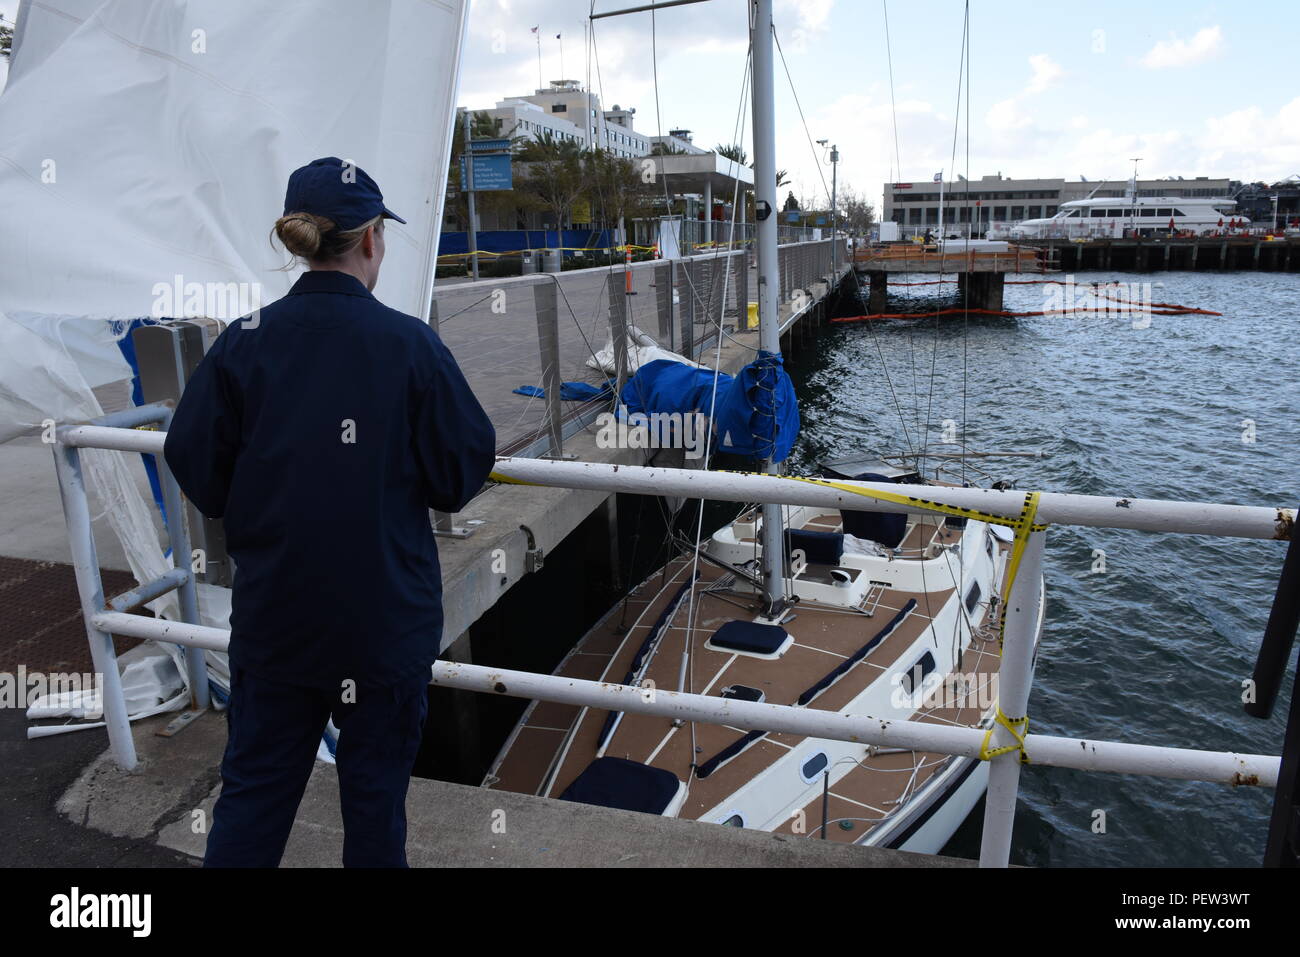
{"points": [[894, 616]]}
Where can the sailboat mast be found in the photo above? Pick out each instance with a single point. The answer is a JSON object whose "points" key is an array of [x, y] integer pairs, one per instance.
{"points": [[769, 320]]}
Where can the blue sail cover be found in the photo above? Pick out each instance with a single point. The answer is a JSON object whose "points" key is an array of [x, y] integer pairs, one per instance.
{"points": [[755, 413], [758, 415], [665, 385]]}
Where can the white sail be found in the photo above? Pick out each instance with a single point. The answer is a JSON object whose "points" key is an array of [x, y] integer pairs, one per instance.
{"points": [[145, 152], [146, 140]]}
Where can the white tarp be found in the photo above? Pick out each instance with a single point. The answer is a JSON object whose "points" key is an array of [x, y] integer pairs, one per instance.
{"points": [[641, 349], [670, 234]]}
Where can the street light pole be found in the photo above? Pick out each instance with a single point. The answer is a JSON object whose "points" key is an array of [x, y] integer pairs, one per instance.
{"points": [[835, 158], [468, 155], [835, 209]]}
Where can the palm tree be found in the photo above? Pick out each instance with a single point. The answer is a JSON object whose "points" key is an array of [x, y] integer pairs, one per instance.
{"points": [[554, 174], [736, 153]]}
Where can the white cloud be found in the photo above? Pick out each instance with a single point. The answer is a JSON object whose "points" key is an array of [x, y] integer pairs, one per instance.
{"points": [[1046, 72], [813, 15], [1251, 144], [1176, 51], [1006, 115]]}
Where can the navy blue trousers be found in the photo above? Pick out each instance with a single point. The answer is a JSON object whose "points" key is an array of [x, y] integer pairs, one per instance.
{"points": [[274, 730]]}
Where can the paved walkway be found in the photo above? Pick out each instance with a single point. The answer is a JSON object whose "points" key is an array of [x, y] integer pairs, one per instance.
{"points": [[155, 809]]}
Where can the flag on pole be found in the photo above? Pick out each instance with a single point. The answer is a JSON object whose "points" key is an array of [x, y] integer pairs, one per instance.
{"points": [[938, 177], [557, 36], [535, 29]]}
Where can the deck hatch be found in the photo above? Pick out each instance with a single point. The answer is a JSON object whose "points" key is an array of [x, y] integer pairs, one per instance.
{"points": [[627, 785], [749, 637]]}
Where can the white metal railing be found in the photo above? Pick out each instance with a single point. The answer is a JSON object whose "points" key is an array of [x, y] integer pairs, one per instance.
{"points": [[1015, 672]]}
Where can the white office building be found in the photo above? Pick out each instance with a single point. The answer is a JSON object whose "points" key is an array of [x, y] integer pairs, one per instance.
{"points": [[570, 113], [998, 199]]}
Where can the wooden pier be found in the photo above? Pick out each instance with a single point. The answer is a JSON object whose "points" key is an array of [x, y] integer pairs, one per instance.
{"points": [[980, 269], [1212, 253]]}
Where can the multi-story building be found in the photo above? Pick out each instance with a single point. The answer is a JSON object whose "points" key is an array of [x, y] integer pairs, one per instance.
{"points": [[976, 203], [569, 113], [678, 141]]}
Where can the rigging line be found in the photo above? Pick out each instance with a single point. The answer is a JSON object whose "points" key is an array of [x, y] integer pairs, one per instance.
{"points": [[965, 322], [884, 367], [687, 671], [795, 93], [962, 72], [466, 309], [893, 107], [934, 355]]}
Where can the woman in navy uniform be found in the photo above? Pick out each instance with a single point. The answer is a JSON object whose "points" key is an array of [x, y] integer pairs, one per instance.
{"points": [[321, 430]]}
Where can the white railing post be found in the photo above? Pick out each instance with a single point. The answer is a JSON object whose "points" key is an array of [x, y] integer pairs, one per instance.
{"points": [[1024, 607], [178, 535], [90, 588]]}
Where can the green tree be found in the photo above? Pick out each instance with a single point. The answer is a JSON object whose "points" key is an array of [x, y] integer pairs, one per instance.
{"points": [[791, 204], [482, 127], [553, 173], [616, 188], [855, 213], [734, 152]]}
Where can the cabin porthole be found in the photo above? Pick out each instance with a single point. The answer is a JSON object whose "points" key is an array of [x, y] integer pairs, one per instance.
{"points": [[735, 820], [922, 667], [811, 769]]}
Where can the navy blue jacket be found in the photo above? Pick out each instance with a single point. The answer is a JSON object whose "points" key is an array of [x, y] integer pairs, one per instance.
{"points": [[322, 431]]}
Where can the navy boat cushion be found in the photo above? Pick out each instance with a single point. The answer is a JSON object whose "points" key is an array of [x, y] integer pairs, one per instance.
{"points": [[884, 528], [819, 548], [628, 785], [749, 636]]}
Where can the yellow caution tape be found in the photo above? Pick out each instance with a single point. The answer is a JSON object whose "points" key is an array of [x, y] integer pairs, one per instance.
{"points": [[1022, 526], [1019, 728]]}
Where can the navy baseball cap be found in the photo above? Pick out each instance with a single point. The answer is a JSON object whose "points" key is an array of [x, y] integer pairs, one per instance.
{"points": [[339, 191]]}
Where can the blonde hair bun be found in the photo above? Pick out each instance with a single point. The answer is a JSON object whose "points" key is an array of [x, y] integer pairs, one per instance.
{"points": [[301, 233]]}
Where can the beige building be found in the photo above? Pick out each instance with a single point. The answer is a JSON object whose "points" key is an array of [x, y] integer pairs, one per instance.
{"points": [[570, 113], [974, 204]]}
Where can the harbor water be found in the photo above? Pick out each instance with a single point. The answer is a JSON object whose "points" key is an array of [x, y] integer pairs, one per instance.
{"points": [[1148, 638]]}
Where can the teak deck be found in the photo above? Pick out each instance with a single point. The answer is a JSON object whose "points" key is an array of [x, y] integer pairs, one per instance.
{"points": [[555, 742]]}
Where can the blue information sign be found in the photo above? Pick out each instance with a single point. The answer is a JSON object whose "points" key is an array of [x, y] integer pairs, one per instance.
{"points": [[489, 146], [490, 172]]}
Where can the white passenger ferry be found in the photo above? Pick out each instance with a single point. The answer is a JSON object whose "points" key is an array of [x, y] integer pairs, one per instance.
{"points": [[1116, 217]]}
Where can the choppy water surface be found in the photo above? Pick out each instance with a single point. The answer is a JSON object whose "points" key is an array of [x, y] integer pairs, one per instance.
{"points": [[1154, 649]]}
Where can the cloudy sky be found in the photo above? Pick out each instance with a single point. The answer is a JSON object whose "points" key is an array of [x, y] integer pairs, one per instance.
{"points": [[1055, 89]]}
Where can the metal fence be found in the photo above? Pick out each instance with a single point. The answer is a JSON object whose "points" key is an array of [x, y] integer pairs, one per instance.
{"points": [[1005, 747], [539, 331]]}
